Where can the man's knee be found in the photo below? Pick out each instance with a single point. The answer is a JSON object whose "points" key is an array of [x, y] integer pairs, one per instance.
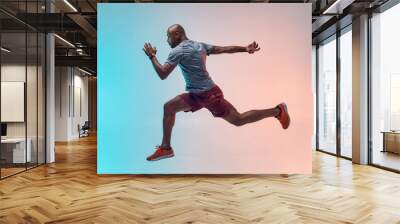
{"points": [[169, 108], [237, 122]]}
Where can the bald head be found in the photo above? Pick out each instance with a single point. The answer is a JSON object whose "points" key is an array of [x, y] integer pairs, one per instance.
{"points": [[177, 28], [176, 34]]}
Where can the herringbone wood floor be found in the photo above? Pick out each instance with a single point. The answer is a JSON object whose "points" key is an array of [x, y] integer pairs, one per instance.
{"points": [[70, 191]]}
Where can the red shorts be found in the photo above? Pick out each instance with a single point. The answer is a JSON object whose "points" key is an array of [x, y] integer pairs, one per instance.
{"points": [[212, 99]]}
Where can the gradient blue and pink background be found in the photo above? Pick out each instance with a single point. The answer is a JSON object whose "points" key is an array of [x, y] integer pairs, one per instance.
{"points": [[131, 96]]}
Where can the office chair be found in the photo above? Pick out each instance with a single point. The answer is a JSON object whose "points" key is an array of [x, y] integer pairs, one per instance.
{"points": [[84, 130]]}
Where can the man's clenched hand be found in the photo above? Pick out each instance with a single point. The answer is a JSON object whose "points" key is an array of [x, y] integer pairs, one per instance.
{"points": [[253, 47], [149, 50]]}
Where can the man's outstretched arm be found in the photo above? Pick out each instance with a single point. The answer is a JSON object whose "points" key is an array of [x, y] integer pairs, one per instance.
{"points": [[162, 70], [251, 48]]}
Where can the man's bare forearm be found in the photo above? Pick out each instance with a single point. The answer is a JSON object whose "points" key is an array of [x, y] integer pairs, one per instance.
{"points": [[159, 68], [234, 49], [228, 49]]}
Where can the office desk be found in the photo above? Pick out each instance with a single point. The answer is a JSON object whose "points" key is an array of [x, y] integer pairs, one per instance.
{"points": [[391, 141], [13, 150]]}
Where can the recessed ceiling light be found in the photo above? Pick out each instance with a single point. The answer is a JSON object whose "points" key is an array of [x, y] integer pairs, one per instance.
{"points": [[64, 40], [70, 5], [5, 50], [84, 71], [337, 7]]}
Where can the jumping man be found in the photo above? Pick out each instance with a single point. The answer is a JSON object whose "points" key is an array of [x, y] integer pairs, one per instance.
{"points": [[202, 91]]}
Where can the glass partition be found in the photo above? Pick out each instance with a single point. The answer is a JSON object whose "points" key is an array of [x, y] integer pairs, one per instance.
{"points": [[385, 89], [14, 153], [22, 89], [346, 93], [327, 95]]}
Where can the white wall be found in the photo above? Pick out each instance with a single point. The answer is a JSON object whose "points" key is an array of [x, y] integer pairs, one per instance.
{"points": [[12, 73], [79, 117], [70, 83], [34, 125], [62, 82]]}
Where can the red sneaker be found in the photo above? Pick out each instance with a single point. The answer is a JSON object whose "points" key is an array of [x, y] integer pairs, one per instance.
{"points": [[161, 153], [283, 116]]}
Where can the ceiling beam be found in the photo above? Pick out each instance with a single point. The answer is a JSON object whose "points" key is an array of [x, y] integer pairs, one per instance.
{"points": [[84, 61], [337, 7]]}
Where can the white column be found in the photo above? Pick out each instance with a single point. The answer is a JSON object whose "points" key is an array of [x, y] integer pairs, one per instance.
{"points": [[360, 90], [62, 103], [50, 92]]}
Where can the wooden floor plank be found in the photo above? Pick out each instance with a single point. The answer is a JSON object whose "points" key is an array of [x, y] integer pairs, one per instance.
{"points": [[70, 191]]}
